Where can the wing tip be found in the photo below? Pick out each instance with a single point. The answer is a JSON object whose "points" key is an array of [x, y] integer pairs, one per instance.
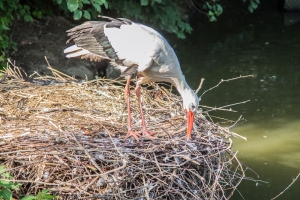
{"points": [[72, 49], [75, 51]]}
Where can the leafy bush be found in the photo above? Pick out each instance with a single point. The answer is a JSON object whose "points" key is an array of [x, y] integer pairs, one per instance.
{"points": [[7, 186], [11, 10], [168, 15]]}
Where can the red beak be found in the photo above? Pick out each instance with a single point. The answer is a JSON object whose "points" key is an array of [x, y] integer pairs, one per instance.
{"points": [[190, 122]]}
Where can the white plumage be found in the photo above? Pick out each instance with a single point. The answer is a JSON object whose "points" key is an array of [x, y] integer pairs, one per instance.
{"points": [[133, 48]]}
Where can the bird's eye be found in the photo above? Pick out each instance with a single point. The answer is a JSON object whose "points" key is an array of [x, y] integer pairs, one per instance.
{"points": [[193, 107]]}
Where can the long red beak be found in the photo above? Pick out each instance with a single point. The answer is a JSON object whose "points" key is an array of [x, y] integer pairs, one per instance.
{"points": [[190, 122]]}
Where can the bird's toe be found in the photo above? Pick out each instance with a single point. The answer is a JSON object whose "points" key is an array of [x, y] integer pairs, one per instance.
{"points": [[133, 134], [148, 134]]}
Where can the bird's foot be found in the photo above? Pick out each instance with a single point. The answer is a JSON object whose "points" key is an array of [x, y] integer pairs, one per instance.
{"points": [[148, 134], [133, 134]]}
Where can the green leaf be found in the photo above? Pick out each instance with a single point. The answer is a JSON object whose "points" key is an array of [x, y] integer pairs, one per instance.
{"points": [[97, 7], [212, 18], [58, 1], [220, 8], [1, 5], [144, 2], [250, 8], [28, 18], [5, 183], [7, 175], [209, 6], [214, 8], [39, 14], [80, 5], [86, 14], [158, 1], [72, 5], [210, 13], [98, 2], [105, 4], [6, 194], [77, 14], [254, 5], [26, 7], [4, 27], [2, 169], [85, 1], [9, 184], [44, 194], [15, 186], [28, 198]]}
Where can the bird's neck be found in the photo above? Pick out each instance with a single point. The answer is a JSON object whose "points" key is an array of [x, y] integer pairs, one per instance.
{"points": [[182, 87]]}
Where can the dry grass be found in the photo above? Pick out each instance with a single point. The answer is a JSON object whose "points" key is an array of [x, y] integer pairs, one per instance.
{"points": [[68, 136]]}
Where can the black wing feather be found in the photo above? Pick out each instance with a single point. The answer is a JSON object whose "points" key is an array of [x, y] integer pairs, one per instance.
{"points": [[90, 36]]}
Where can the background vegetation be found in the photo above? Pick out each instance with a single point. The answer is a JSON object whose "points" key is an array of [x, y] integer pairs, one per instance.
{"points": [[165, 15], [8, 186]]}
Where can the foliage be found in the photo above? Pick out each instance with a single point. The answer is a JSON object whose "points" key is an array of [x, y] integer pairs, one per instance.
{"points": [[11, 10], [213, 8], [252, 5], [167, 15], [162, 14], [42, 195], [7, 186]]}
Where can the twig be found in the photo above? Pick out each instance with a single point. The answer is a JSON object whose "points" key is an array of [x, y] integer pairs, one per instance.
{"points": [[226, 106], [4, 76], [233, 125], [58, 73], [229, 110], [157, 164], [58, 128], [145, 188], [200, 85], [88, 185], [88, 143], [227, 80], [195, 6], [108, 172], [228, 120], [87, 153], [287, 187], [233, 133]]}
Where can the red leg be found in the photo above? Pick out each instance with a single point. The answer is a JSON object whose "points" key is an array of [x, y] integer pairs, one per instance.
{"points": [[130, 131], [145, 132]]}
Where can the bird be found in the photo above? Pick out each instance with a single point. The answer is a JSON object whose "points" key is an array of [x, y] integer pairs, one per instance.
{"points": [[133, 48]]}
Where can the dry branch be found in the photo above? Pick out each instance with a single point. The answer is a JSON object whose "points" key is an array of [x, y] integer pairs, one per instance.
{"points": [[68, 136]]}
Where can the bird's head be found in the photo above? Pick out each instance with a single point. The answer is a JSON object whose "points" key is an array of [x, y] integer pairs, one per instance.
{"points": [[190, 105]]}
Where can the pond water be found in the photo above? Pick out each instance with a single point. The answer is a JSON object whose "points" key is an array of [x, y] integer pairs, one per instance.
{"points": [[260, 44]]}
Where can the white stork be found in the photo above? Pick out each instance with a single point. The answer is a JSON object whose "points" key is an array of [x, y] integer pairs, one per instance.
{"points": [[133, 48]]}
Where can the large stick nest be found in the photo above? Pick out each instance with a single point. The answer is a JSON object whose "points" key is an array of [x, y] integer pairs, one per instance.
{"points": [[69, 136]]}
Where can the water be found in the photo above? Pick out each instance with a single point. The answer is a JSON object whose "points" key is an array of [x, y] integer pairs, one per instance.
{"points": [[260, 44]]}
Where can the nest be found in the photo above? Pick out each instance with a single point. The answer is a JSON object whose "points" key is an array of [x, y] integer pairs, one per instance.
{"points": [[68, 136]]}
